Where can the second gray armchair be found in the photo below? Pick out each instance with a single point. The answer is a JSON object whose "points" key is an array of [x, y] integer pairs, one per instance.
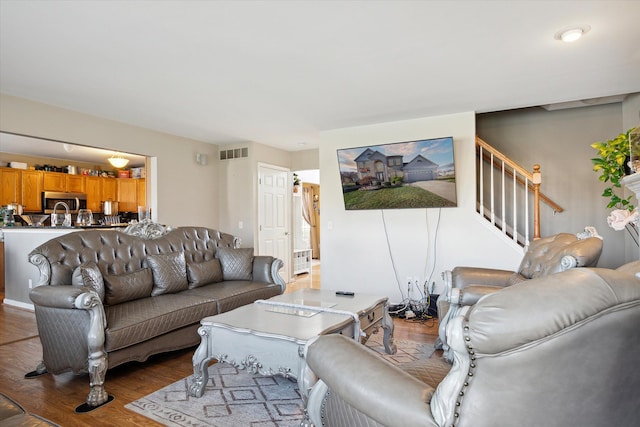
{"points": [[464, 286], [556, 351]]}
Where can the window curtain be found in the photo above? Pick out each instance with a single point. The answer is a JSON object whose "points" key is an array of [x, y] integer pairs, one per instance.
{"points": [[310, 218]]}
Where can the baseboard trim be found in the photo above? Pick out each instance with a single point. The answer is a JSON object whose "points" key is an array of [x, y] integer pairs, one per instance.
{"points": [[20, 304]]}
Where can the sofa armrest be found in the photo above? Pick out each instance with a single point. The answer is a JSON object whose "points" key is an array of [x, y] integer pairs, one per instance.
{"points": [[56, 296], [44, 268], [471, 294], [478, 281], [266, 269], [374, 386], [80, 314], [464, 276]]}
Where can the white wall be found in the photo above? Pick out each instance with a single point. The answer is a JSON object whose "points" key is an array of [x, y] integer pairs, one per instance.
{"points": [[421, 242], [305, 160], [238, 186], [235, 183], [187, 193], [631, 111], [219, 195]]}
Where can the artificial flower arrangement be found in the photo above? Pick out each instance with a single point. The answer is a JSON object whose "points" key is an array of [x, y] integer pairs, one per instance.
{"points": [[613, 155], [619, 218]]}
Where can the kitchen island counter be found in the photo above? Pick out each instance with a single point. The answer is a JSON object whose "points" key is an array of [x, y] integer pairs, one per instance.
{"points": [[72, 228], [19, 274]]}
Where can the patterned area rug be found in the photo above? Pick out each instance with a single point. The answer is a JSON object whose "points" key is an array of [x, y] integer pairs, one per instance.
{"points": [[235, 398]]}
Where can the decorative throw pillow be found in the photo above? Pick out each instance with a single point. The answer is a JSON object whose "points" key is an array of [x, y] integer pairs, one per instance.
{"points": [[169, 273], [203, 273], [237, 264], [89, 275], [127, 287]]}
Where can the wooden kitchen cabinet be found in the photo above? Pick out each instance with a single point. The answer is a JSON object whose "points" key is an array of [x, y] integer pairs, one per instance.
{"points": [[110, 189], [10, 189], [31, 190], [127, 194], [58, 181], [99, 189], [26, 187], [53, 181], [75, 183], [132, 192], [93, 188], [23, 187], [141, 192]]}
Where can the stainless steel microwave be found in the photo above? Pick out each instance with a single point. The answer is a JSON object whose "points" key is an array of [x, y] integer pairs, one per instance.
{"points": [[75, 201]]}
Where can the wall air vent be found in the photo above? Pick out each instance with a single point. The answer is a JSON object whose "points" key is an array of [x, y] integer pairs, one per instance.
{"points": [[235, 153]]}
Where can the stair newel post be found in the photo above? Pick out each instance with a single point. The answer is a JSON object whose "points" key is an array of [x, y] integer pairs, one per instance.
{"points": [[537, 180]]}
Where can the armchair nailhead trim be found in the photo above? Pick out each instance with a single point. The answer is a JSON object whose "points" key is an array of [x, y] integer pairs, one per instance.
{"points": [[323, 407], [472, 367]]}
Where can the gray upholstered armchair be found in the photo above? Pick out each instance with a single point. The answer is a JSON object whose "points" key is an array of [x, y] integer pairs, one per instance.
{"points": [[466, 285], [560, 350]]}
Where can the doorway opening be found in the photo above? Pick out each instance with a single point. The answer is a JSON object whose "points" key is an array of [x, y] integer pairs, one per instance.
{"points": [[306, 229]]}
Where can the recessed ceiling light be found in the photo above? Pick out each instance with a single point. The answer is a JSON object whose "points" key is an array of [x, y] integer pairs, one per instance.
{"points": [[571, 34]]}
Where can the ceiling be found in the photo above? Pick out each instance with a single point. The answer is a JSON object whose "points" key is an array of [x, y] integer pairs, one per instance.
{"points": [[20, 144], [281, 72]]}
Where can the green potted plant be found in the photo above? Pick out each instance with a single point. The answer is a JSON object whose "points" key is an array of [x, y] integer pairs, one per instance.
{"points": [[296, 182], [610, 163]]}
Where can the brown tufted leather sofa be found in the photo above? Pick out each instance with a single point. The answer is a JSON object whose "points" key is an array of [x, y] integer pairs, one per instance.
{"points": [[96, 309]]}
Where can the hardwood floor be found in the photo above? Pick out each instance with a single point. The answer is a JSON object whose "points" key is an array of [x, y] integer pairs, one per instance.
{"points": [[55, 397]]}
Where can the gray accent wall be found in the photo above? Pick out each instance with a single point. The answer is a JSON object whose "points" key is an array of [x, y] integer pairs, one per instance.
{"points": [[560, 142]]}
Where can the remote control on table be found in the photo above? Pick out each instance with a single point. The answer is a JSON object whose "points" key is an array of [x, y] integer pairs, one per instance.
{"points": [[345, 293]]}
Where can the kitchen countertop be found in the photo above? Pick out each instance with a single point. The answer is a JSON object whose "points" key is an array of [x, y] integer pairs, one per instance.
{"points": [[75, 227]]}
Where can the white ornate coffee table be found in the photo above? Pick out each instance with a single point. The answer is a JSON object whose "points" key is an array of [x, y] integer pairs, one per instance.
{"points": [[268, 337]]}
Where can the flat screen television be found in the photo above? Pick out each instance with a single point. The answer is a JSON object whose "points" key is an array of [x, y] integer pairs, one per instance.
{"points": [[400, 175]]}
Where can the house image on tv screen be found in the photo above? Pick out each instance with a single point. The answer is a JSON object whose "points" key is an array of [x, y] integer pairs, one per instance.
{"points": [[410, 174], [375, 164]]}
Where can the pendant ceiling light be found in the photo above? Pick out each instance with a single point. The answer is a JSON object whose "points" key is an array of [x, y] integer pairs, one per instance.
{"points": [[118, 161]]}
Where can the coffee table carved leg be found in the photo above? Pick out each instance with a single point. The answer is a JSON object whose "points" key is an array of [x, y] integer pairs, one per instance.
{"points": [[387, 327], [201, 359]]}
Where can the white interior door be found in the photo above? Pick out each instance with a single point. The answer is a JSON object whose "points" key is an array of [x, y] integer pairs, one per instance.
{"points": [[274, 218]]}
